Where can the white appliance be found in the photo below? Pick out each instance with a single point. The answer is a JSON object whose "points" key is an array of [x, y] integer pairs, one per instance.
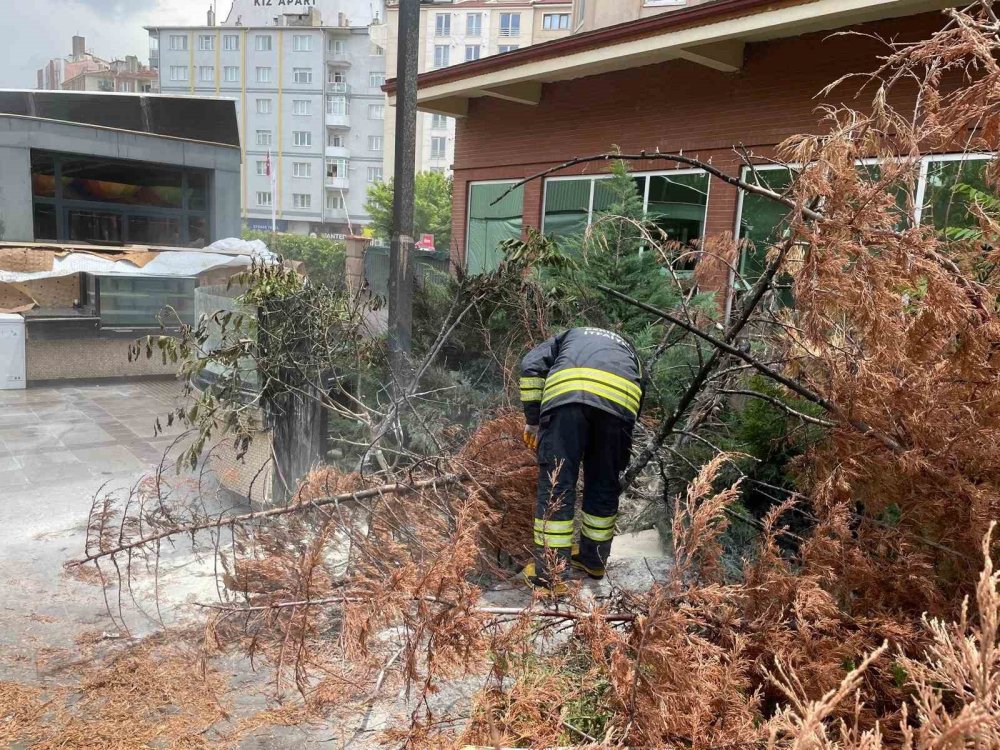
{"points": [[12, 373]]}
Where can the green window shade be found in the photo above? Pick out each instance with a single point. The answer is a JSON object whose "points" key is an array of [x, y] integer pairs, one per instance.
{"points": [[567, 207], [762, 221], [945, 207], [489, 225]]}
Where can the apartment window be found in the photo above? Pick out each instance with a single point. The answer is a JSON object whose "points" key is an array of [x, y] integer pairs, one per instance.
{"points": [[510, 24], [263, 75], [301, 107], [336, 105], [580, 10], [376, 111], [334, 201], [206, 73], [302, 138], [374, 174], [301, 200], [262, 42], [178, 42], [231, 73], [261, 168], [507, 48], [231, 42], [206, 42], [439, 122], [490, 223], [442, 55], [442, 24], [555, 21], [474, 24], [264, 138], [264, 198], [264, 106], [337, 47], [439, 147], [336, 77], [473, 52], [376, 79], [376, 51], [302, 169], [334, 139], [178, 72], [374, 143], [302, 43], [336, 169], [302, 75]]}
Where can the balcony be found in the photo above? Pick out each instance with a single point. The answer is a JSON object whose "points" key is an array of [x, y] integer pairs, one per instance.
{"points": [[335, 87], [334, 214], [338, 58], [338, 152], [337, 183], [338, 120]]}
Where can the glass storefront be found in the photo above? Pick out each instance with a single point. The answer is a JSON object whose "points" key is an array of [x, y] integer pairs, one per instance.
{"points": [[84, 199]]}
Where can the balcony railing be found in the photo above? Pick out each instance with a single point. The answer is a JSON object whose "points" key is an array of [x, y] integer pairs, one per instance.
{"points": [[510, 32], [335, 214], [338, 120], [337, 183], [338, 87], [338, 152], [337, 58]]}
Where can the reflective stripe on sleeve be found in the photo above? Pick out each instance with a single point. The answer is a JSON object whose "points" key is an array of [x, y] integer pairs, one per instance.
{"points": [[532, 395], [531, 383]]}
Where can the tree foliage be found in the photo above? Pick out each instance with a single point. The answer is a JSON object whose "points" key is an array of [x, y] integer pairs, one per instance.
{"points": [[431, 211], [323, 259]]}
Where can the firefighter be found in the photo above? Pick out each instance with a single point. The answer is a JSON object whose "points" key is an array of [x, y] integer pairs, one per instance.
{"points": [[582, 393]]}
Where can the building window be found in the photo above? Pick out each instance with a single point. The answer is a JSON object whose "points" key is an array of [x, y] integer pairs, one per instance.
{"points": [[232, 73], [579, 10], [302, 75], [334, 201], [206, 42], [178, 72], [510, 24], [375, 143], [264, 138], [507, 48], [301, 200], [374, 174], [376, 111], [178, 42], [302, 138], [376, 79], [474, 24], [473, 52], [261, 168], [336, 46], [439, 147], [302, 43], [301, 107], [264, 198], [107, 200], [264, 106], [439, 122], [334, 139], [336, 169], [302, 169], [263, 75], [376, 51], [206, 73], [490, 223], [231, 42], [442, 24], [940, 204], [336, 105], [555, 21], [442, 55], [262, 42], [335, 77]]}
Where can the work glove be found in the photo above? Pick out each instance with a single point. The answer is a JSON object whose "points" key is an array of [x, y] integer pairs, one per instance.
{"points": [[530, 436]]}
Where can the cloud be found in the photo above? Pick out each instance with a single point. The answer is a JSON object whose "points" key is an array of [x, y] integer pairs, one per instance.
{"points": [[41, 31]]}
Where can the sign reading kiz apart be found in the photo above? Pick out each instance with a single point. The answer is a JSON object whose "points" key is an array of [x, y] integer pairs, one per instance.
{"points": [[263, 12]]}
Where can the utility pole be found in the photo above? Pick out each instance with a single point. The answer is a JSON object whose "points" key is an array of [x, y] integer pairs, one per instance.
{"points": [[401, 248]]}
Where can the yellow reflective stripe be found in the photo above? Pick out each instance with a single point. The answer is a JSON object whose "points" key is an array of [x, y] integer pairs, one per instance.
{"points": [[532, 382], [585, 385], [554, 527], [601, 376], [600, 522], [598, 535], [534, 395], [557, 541]]}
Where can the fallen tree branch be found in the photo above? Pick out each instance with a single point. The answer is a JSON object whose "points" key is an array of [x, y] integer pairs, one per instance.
{"points": [[779, 404], [385, 489]]}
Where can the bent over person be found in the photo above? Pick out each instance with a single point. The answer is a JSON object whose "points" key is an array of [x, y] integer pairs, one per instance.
{"points": [[582, 394]]}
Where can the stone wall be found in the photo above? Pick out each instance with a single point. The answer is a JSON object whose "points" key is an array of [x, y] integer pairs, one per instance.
{"points": [[88, 357]]}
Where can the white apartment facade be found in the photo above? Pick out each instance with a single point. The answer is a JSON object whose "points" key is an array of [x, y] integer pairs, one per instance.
{"points": [[458, 31], [308, 95]]}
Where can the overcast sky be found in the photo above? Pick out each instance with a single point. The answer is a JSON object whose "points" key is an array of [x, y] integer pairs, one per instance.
{"points": [[38, 31]]}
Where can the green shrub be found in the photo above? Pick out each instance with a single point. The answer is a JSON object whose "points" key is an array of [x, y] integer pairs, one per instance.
{"points": [[324, 260]]}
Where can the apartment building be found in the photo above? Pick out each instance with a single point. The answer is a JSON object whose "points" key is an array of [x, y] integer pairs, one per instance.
{"points": [[307, 87], [458, 31], [84, 71], [596, 14]]}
